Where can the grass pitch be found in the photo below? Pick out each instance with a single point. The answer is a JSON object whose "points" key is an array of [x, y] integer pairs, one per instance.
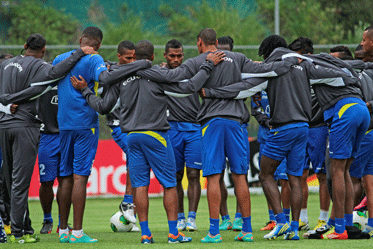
{"points": [[98, 213]]}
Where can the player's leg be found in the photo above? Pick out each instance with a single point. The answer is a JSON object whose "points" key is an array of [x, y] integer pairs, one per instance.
{"points": [[303, 218], [236, 143], [49, 160], [181, 222], [193, 162], [324, 200], [281, 176], [213, 162], [226, 220], [4, 203], [368, 179], [85, 147]]}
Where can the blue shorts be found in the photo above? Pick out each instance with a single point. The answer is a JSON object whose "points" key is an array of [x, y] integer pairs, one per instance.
{"points": [[316, 148], [246, 137], [49, 157], [290, 142], [187, 148], [223, 138], [280, 173], [78, 151], [120, 138], [350, 122], [363, 164], [151, 150]]}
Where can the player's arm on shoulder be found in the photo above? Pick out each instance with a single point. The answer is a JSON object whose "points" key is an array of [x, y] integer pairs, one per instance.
{"points": [[192, 85], [25, 95], [121, 72], [48, 73], [102, 106]]}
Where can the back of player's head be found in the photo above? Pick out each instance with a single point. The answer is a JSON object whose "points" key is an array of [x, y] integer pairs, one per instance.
{"points": [[302, 45], [173, 44], [344, 52], [92, 36], [4, 57], [144, 49], [369, 31], [226, 40], [208, 36], [125, 45], [271, 43], [35, 42]]}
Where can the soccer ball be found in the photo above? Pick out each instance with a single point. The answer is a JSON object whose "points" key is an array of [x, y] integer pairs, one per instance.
{"points": [[119, 224], [359, 219]]}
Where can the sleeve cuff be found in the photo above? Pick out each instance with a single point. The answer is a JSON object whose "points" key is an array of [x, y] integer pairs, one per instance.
{"points": [[85, 91]]}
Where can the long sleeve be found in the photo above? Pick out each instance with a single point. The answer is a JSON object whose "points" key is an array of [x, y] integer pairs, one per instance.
{"points": [[188, 87], [29, 93], [48, 73], [121, 72], [105, 105]]}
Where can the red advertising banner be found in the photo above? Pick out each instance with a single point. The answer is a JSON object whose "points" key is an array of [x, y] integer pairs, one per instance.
{"points": [[108, 175]]}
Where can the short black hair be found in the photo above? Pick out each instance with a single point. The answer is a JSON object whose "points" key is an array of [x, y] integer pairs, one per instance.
{"points": [[271, 43], [344, 52], [369, 31], [125, 45], [173, 44], [302, 45], [226, 40], [144, 49], [35, 42], [93, 36], [208, 36]]}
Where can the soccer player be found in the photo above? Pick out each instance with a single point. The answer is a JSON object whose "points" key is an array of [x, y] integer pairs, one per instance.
{"points": [[185, 138], [316, 148], [288, 135], [78, 124], [226, 43], [260, 109], [19, 136], [143, 117], [220, 119]]}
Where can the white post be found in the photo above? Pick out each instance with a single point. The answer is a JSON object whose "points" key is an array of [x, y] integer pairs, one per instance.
{"points": [[277, 17]]}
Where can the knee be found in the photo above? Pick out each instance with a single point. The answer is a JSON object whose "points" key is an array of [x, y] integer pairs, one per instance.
{"points": [[193, 175], [179, 175], [47, 185]]}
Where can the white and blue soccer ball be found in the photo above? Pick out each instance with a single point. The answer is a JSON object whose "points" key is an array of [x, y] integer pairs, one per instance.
{"points": [[359, 219], [120, 224]]}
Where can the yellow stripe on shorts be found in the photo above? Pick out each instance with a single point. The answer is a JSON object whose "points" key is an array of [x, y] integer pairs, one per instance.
{"points": [[204, 130], [368, 131], [153, 134], [344, 109], [93, 130]]}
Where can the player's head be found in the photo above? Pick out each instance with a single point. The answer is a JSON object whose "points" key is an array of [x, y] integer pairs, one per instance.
{"points": [[126, 52], [206, 38], [4, 57], [367, 41], [35, 45], [144, 50], [92, 36], [302, 45], [271, 43], [225, 43], [341, 52], [174, 53]]}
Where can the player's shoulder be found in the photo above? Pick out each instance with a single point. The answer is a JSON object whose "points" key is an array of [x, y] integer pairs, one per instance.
{"points": [[94, 58], [63, 56]]}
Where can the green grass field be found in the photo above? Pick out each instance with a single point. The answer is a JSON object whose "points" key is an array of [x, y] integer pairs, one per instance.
{"points": [[99, 211]]}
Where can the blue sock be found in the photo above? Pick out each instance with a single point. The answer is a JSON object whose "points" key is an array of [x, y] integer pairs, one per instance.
{"points": [[348, 219], [287, 214], [48, 217], [370, 222], [294, 226], [331, 222], [238, 215], [128, 198], [280, 218], [59, 220], [172, 227], [192, 215], [271, 215], [339, 225], [214, 226], [145, 228], [246, 226], [181, 216], [226, 217]]}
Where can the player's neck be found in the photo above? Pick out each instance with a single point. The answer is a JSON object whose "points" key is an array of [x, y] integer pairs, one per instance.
{"points": [[209, 48]]}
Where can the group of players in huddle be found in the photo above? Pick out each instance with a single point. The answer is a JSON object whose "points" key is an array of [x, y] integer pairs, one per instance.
{"points": [[303, 102]]}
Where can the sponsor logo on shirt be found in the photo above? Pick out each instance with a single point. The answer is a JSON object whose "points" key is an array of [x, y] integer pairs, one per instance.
{"points": [[54, 100], [228, 59], [130, 79], [298, 67], [18, 66], [101, 66]]}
